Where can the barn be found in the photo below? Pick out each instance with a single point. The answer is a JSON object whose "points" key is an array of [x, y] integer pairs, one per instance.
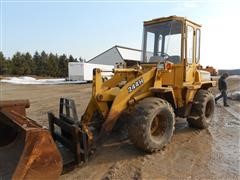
{"points": [[117, 55], [107, 60]]}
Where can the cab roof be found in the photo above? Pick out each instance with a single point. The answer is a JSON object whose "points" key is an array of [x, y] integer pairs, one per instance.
{"points": [[169, 18]]}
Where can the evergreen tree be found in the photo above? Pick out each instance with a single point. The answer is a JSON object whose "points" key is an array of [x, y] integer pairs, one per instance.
{"points": [[19, 66], [52, 65], [81, 59], [2, 64], [9, 66], [72, 59], [43, 63], [36, 61], [63, 66], [40, 64], [29, 63]]}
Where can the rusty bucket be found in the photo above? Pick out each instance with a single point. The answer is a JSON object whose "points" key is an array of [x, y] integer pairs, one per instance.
{"points": [[27, 151]]}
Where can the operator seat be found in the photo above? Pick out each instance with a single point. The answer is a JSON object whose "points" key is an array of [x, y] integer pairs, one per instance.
{"points": [[174, 59], [156, 59]]}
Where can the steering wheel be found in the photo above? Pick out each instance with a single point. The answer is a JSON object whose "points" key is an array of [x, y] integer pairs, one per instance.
{"points": [[164, 55]]}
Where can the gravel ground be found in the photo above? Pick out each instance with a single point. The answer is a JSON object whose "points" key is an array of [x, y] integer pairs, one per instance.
{"points": [[192, 154]]}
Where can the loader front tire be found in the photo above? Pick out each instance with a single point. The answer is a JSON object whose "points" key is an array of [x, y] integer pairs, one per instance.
{"points": [[151, 124], [202, 110]]}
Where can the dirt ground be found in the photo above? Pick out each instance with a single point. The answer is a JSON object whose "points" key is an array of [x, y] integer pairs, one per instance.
{"points": [[192, 154]]}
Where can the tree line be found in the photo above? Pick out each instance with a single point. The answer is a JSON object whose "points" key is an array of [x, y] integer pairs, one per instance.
{"points": [[40, 64]]}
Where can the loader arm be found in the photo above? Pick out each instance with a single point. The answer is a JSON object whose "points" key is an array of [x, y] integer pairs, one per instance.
{"points": [[119, 97]]}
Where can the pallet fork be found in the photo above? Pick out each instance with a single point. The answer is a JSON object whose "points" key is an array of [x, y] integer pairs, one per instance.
{"points": [[66, 130]]}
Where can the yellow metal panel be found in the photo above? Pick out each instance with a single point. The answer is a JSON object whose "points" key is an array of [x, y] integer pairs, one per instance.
{"points": [[121, 100]]}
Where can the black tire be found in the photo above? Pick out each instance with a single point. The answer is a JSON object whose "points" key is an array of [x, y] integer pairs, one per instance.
{"points": [[122, 122], [121, 126], [202, 110], [151, 124]]}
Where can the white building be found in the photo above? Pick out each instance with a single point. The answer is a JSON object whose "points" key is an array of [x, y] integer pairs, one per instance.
{"points": [[78, 71], [106, 61], [117, 55]]}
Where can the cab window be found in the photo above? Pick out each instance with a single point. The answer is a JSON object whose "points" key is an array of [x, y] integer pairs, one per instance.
{"points": [[197, 45], [190, 44]]}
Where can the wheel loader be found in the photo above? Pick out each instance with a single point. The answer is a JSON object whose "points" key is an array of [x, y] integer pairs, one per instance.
{"points": [[150, 95]]}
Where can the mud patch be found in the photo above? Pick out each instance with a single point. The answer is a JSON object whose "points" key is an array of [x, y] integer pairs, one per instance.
{"points": [[192, 154], [233, 123], [123, 170]]}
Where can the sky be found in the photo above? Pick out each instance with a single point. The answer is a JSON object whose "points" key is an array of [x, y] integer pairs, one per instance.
{"points": [[87, 28]]}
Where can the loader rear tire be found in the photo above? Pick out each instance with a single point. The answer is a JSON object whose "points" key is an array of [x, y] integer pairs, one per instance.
{"points": [[151, 124], [202, 110]]}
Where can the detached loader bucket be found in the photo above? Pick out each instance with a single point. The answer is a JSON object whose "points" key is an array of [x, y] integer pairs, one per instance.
{"points": [[27, 151]]}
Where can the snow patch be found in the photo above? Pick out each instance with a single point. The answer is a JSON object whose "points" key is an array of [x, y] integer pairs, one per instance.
{"points": [[31, 80], [235, 96]]}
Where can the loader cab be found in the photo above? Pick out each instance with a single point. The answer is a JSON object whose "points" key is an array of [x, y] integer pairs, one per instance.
{"points": [[173, 39], [162, 41]]}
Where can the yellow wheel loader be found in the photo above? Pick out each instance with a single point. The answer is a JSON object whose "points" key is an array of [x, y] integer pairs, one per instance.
{"points": [[165, 84]]}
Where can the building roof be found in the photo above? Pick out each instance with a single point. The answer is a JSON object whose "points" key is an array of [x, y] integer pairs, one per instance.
{"points": [[125, 53], [129, 53]]}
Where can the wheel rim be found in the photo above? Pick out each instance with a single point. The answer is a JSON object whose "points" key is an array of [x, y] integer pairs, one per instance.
{"points": [[158, 126]]}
